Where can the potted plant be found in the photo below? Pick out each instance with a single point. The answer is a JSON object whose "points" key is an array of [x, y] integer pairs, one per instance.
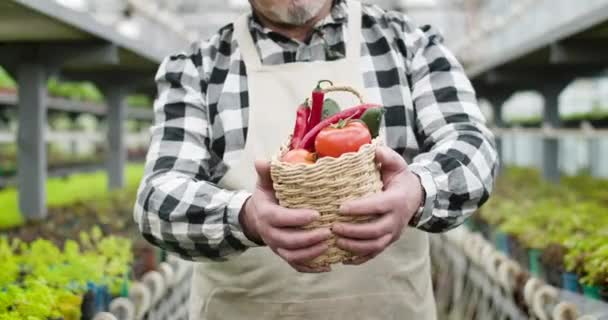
{"points": [[7, 84]]}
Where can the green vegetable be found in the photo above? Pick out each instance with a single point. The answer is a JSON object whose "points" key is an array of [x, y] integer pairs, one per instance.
{"points": [[139, 100], [5, 80], [330, 107], [373, 118], [45, 282], [82, 91], [62, 192], [571, 215]]}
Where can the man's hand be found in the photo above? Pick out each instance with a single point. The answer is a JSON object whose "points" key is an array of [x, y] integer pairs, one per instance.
{"points": [[392, 209], [263, 220]]}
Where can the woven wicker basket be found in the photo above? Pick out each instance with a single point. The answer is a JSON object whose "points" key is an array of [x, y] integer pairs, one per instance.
{"points": [[325, 185]]}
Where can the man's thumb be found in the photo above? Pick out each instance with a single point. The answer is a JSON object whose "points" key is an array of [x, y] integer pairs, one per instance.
{"points": [[390, 160], [262, 167]]}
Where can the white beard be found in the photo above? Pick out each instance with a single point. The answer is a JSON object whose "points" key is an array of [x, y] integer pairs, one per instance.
{"points": [[297, 12]]}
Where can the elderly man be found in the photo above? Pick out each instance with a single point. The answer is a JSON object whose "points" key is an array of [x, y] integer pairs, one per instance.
{"points": [[231, 101]]}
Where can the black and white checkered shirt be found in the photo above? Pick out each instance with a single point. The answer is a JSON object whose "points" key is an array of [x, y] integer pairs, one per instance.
{"points": [[201, 126]]}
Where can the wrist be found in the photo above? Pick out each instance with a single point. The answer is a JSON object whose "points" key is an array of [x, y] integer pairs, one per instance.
{"points": [[422, 193], [417, 197], [248, 223], [417, 194]]}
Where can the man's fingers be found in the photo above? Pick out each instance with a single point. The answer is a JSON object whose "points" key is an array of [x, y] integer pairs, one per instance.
{"points": [[301, 256], [375, 204], [262, 167], [364, 247], [391, 164], [359, 260], [280, 217], [305, 269], [296, 239], [390, 160], [366, 230]]}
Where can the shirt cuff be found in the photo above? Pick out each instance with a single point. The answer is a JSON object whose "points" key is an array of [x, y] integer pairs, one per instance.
{"points": [[234, 210], [428, 183]]}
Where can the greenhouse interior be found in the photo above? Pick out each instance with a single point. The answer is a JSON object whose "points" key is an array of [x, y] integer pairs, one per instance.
{"points": [[512, 220]]}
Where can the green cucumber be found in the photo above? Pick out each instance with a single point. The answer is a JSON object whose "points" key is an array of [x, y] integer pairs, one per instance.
{"points": [[373, 118], [330, 107]]}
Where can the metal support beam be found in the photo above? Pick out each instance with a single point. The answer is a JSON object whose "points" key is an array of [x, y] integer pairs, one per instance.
{"points": [[534, 78], [73, 144], [56, 55], [551, 119], [98, 54], [136, 81], [498, 99], [598, 153], [578, 52], [117, 116], [31, 140]]}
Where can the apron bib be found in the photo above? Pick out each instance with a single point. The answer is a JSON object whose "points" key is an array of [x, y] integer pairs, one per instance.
{"points": [[258, 285]]}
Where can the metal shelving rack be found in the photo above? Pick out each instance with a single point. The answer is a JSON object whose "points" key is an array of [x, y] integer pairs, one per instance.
{"points": [[543, 46], [40, 38], [72, 106]]}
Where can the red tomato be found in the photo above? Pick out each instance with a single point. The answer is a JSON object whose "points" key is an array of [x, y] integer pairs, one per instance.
{"points": [[341, 138], [299, 156]]}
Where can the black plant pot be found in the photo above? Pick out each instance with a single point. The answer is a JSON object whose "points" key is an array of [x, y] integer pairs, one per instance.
{"points": [[530, 125], [88, 307], [552, 260], [519, 253], [604, 293], [599, 123], [571, 124], [485, 229], [553, 275]]}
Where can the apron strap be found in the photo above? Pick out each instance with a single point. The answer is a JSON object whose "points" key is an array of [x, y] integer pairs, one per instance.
{"points": [[353, 48], [248, 49], [250, 54]]}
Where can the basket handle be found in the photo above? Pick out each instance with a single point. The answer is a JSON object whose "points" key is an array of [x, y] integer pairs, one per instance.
{"points": [[344, 89]]}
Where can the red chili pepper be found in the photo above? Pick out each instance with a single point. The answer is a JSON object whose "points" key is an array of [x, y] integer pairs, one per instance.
{"points": [[356, 112], [318, 96], [301, 125]]}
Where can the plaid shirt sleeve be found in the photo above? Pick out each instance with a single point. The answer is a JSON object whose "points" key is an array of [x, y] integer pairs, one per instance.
{"points": [[458, 159], [179, 207]]}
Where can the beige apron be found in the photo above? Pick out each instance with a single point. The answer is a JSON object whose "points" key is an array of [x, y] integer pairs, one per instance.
{"points": [[258, 285]]}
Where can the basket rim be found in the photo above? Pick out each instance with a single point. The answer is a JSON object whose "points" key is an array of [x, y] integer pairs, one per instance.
{"points": [[325, 160]]}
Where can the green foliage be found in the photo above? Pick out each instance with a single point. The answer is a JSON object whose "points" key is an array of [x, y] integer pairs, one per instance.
{"points": [[139, 100], [5, 80], [588, 256], [81, 91], [67, 191], [571, 214], [9, 263], [526, 121], [595, 114], [49, 282]]}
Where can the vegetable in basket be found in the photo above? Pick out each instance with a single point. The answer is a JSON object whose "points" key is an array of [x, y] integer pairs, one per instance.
{"points": [[330, 107], [299, 156], [301, 125], [351, 113], [324, 131], [342, 137], [373, 118], [318, 96]]}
